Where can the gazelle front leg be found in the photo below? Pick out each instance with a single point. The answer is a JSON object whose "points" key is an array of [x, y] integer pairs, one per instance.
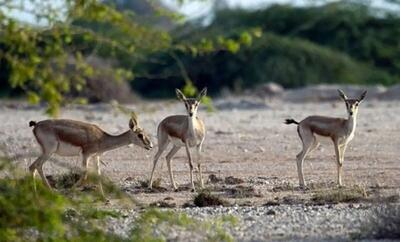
{"points": [[339, 152], [199, 163], [190, 165], [342, 149]]}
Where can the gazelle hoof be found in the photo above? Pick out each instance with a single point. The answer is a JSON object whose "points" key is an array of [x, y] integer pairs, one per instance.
{"points": [[303, 187]]}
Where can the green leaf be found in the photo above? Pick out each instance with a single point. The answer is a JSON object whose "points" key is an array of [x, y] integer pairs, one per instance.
{"points": [[33, 98], [232, 46]]}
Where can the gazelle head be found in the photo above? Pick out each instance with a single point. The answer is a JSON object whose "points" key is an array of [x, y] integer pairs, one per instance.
{"points": [[352, 104], [137, 135], [191, 104]]}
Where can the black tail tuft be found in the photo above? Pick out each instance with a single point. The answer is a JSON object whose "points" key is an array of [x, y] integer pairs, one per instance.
{"points": [[291, 121], [32, 123]]}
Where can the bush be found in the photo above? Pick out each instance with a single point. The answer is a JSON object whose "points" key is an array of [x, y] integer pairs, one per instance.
{"points": [[51, 216], [206, 199], [271, 58]]}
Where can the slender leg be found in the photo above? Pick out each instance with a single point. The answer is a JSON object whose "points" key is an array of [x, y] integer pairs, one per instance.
{"points": [[169, 157], [308, 140], [37, 166], [190, 166], [99, 174], [342, 149], [339, 163], [314, 146], [161, 147], [85, 164], [199, 164]]}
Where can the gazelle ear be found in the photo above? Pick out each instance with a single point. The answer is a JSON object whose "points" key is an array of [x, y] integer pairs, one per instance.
{"points": [[180, 95], [362, 96], [342, 95], [133, 122], [202, 94]]}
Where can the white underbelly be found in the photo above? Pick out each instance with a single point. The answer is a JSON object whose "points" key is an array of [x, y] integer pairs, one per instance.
{"points": [[176, 141], [66, 149], [180, 143], [323, 139]]}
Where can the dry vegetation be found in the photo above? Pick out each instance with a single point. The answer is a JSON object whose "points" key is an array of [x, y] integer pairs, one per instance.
{"points": [[248, 159]]}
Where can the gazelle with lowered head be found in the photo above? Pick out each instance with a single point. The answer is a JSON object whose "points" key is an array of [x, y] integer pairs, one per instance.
{"points": [[340, 130], [73, 138], [182, 131]]}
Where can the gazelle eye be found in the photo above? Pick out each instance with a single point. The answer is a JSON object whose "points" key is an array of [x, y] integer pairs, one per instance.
{"points": [[140, 136]]}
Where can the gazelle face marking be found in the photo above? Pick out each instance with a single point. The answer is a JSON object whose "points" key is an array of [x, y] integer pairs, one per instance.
{"points": [[138, 136], [352, 104], [191, 104]]}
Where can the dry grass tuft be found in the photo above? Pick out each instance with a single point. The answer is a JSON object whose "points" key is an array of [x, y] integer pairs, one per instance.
{"points": [[243, 192], [340, 195], [162, 204], [206, 199], [144, 185], [214, 179], [230, 180], [64, 181]]}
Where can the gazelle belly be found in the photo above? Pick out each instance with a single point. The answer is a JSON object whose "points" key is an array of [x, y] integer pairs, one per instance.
{"points": [[178, 142], [66, 149]]}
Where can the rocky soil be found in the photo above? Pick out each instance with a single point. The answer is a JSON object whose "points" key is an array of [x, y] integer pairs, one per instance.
{"points": [[249, 160]]}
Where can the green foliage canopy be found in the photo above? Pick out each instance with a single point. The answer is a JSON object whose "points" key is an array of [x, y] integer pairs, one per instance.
{"points": [[51, 59], [333, 43]]}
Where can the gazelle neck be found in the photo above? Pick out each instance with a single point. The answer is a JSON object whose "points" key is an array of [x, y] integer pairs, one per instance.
{"points": [[191, 124], [352, 122], [111, 142]]}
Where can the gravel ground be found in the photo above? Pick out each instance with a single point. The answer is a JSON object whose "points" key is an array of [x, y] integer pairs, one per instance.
{"points": [[246, 139], [284, 222]]}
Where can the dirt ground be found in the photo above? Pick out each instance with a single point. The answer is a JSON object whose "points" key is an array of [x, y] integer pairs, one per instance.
{"points": [[250, 143]]}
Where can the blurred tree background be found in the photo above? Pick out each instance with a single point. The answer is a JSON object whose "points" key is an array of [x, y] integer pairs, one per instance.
{"points": [[97, 50]]}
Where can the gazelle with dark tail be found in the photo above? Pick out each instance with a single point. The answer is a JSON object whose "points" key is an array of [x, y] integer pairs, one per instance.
{"points": [[73, 138], [182, 131], [340, 130]]}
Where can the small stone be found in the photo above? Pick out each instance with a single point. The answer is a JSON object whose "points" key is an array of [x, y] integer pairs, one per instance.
{"points": [[271, 212]]}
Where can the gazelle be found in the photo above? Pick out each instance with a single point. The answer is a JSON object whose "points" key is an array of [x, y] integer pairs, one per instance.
{"points": [[72, 138], [182, 131], [340, 130]]}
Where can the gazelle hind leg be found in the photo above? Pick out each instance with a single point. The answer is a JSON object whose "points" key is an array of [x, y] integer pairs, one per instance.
{"points": [[309, 142], [169, 157], [84, 175], [162, 145], [190, 166], [37, 166], [314, 145], [49, 145], [99, 176]]}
